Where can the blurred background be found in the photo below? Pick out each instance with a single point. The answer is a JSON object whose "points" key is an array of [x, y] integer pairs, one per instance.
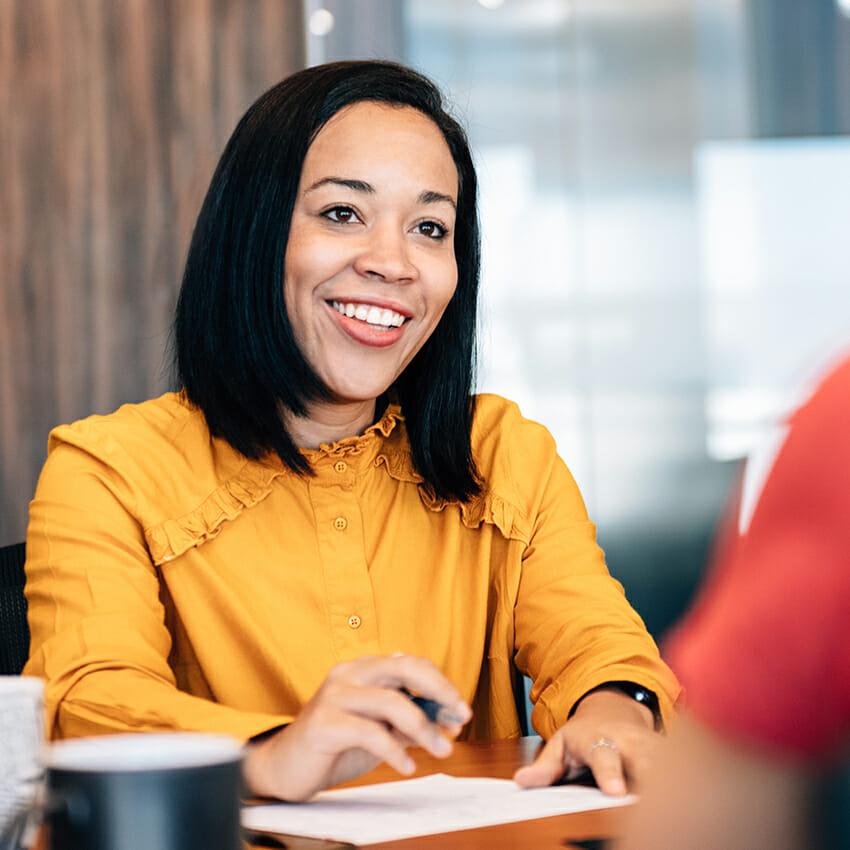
{"points": [[663, 189]]}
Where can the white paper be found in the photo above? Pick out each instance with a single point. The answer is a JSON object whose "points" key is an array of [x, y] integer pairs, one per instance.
{"points": [[389, 811]]}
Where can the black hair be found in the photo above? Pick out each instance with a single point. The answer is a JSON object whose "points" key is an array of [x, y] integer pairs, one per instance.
{"points": [[235, 353]]}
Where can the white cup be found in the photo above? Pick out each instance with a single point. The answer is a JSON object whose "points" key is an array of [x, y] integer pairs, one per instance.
{"points": [[21, 757]]}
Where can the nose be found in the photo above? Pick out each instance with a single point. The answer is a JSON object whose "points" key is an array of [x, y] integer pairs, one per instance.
{"points": [[386, 253]]}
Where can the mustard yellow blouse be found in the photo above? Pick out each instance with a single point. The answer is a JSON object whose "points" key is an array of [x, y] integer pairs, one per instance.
{"points": [[172, 583]]}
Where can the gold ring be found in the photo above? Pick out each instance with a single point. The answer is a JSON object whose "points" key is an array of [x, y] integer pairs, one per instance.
{"points": [[605, 742]]}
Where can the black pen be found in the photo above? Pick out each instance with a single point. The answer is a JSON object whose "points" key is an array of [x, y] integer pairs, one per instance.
{"points": [[435, 711]]}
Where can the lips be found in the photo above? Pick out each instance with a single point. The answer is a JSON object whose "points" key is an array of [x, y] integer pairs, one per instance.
{"points": [[373, 315], [369, 324]]}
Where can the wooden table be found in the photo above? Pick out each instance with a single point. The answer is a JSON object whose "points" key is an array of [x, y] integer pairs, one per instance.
{"points": [[498, 759]]}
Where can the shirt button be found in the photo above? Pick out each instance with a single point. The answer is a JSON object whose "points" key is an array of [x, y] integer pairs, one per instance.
{"points": [[340, 523], [354, 621], [340, 466]]}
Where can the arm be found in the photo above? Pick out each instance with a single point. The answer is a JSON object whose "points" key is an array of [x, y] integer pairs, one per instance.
{"points": [[99, 636], [576, 631]]}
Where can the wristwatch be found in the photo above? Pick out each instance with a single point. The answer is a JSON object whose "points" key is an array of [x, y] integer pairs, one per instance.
{"points": [[637, 692]]}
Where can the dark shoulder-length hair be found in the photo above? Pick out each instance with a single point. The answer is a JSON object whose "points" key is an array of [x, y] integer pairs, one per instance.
{"points": [[235, 352]]}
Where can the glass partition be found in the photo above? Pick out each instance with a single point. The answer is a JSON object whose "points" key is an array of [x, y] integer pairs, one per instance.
{"points": [[664, 189]]}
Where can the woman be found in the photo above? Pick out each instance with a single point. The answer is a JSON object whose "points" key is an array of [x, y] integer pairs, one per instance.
{"points": [[325, 516]]}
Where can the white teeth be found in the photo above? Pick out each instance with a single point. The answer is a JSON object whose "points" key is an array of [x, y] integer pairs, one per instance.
{"points": [[370, 314]]}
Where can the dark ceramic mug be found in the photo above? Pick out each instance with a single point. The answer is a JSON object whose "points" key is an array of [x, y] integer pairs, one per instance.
{"points": [[145, 791]]}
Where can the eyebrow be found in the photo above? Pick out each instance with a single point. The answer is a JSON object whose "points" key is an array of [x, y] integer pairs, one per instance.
{"points": [[426, 197]]}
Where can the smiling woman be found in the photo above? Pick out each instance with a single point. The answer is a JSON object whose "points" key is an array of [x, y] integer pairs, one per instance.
{"points": [[325, 520], [370, 263], [328, 147]]}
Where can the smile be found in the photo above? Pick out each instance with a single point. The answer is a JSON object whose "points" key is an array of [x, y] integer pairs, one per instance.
{"points": [[377, 317]]}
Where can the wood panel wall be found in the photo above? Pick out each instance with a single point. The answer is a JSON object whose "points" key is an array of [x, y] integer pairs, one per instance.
{"points": [[113, 114]]}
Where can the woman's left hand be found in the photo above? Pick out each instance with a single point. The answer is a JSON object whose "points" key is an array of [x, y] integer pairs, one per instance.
{"points": [[610, 733]]}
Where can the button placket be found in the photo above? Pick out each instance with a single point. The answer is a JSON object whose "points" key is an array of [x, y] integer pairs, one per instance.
{"points": [[339, 535]]}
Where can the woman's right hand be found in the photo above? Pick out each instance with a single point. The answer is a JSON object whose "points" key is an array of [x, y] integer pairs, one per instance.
{"points": [[358, 718]]}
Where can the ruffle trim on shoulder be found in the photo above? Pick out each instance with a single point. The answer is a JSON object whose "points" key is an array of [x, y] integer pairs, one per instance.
{"points": [[399, 465], [253, 483], [172, 538], [394, 453], [387, 423], [487, 508]]}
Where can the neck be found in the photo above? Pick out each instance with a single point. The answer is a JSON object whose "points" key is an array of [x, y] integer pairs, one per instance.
{"points": [[327, 423]]}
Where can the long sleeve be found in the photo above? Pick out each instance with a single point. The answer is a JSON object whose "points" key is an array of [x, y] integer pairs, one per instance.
{"points": [[573, 626], [603, 639], [173, 583], [97, 613]]}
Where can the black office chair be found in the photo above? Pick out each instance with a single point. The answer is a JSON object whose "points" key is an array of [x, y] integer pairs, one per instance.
{"points": [[14, 629], [523, 703]]}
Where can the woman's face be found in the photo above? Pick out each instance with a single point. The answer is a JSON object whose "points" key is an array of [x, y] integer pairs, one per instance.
{"points": [[370, 263]]}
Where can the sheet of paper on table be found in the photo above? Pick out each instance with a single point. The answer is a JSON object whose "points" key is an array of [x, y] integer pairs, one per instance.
{"points": [[369, 814]]}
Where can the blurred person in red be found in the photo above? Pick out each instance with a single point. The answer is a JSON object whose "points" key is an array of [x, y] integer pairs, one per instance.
{"points": [[765, 657]]}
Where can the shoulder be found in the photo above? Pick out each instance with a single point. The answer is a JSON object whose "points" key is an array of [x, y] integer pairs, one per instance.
{"points": [[828, 407], [809, 466], [168, 424], [498, 421], [770, 623], [500, 433], [519, 465], [156, 458]]}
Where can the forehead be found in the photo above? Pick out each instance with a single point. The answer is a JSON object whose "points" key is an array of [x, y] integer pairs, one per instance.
{"points": [[368, 138]]}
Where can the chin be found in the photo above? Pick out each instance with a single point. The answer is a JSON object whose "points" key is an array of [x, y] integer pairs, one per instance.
{"points": [[357, 390], [357, 395]]}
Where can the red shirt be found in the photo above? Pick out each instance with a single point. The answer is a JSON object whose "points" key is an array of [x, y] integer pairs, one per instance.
{"points": [[765, 654]]}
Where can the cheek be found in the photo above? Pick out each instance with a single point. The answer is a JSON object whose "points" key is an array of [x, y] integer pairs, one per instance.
{"points": [[446, 290], [299, 272], [290, 272], [290, 299], [439, 301], [310, 261]]}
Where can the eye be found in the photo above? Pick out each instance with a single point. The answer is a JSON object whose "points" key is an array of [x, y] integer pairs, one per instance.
{"points": [[341, 215], [431, 229]]}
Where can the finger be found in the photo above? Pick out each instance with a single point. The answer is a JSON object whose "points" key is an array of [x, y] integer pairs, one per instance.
{"points": [[549, 766], [361, 733], [418, 675], [402, 716], [421, 677], [406, 742], [606, 762], [307, 756]]}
